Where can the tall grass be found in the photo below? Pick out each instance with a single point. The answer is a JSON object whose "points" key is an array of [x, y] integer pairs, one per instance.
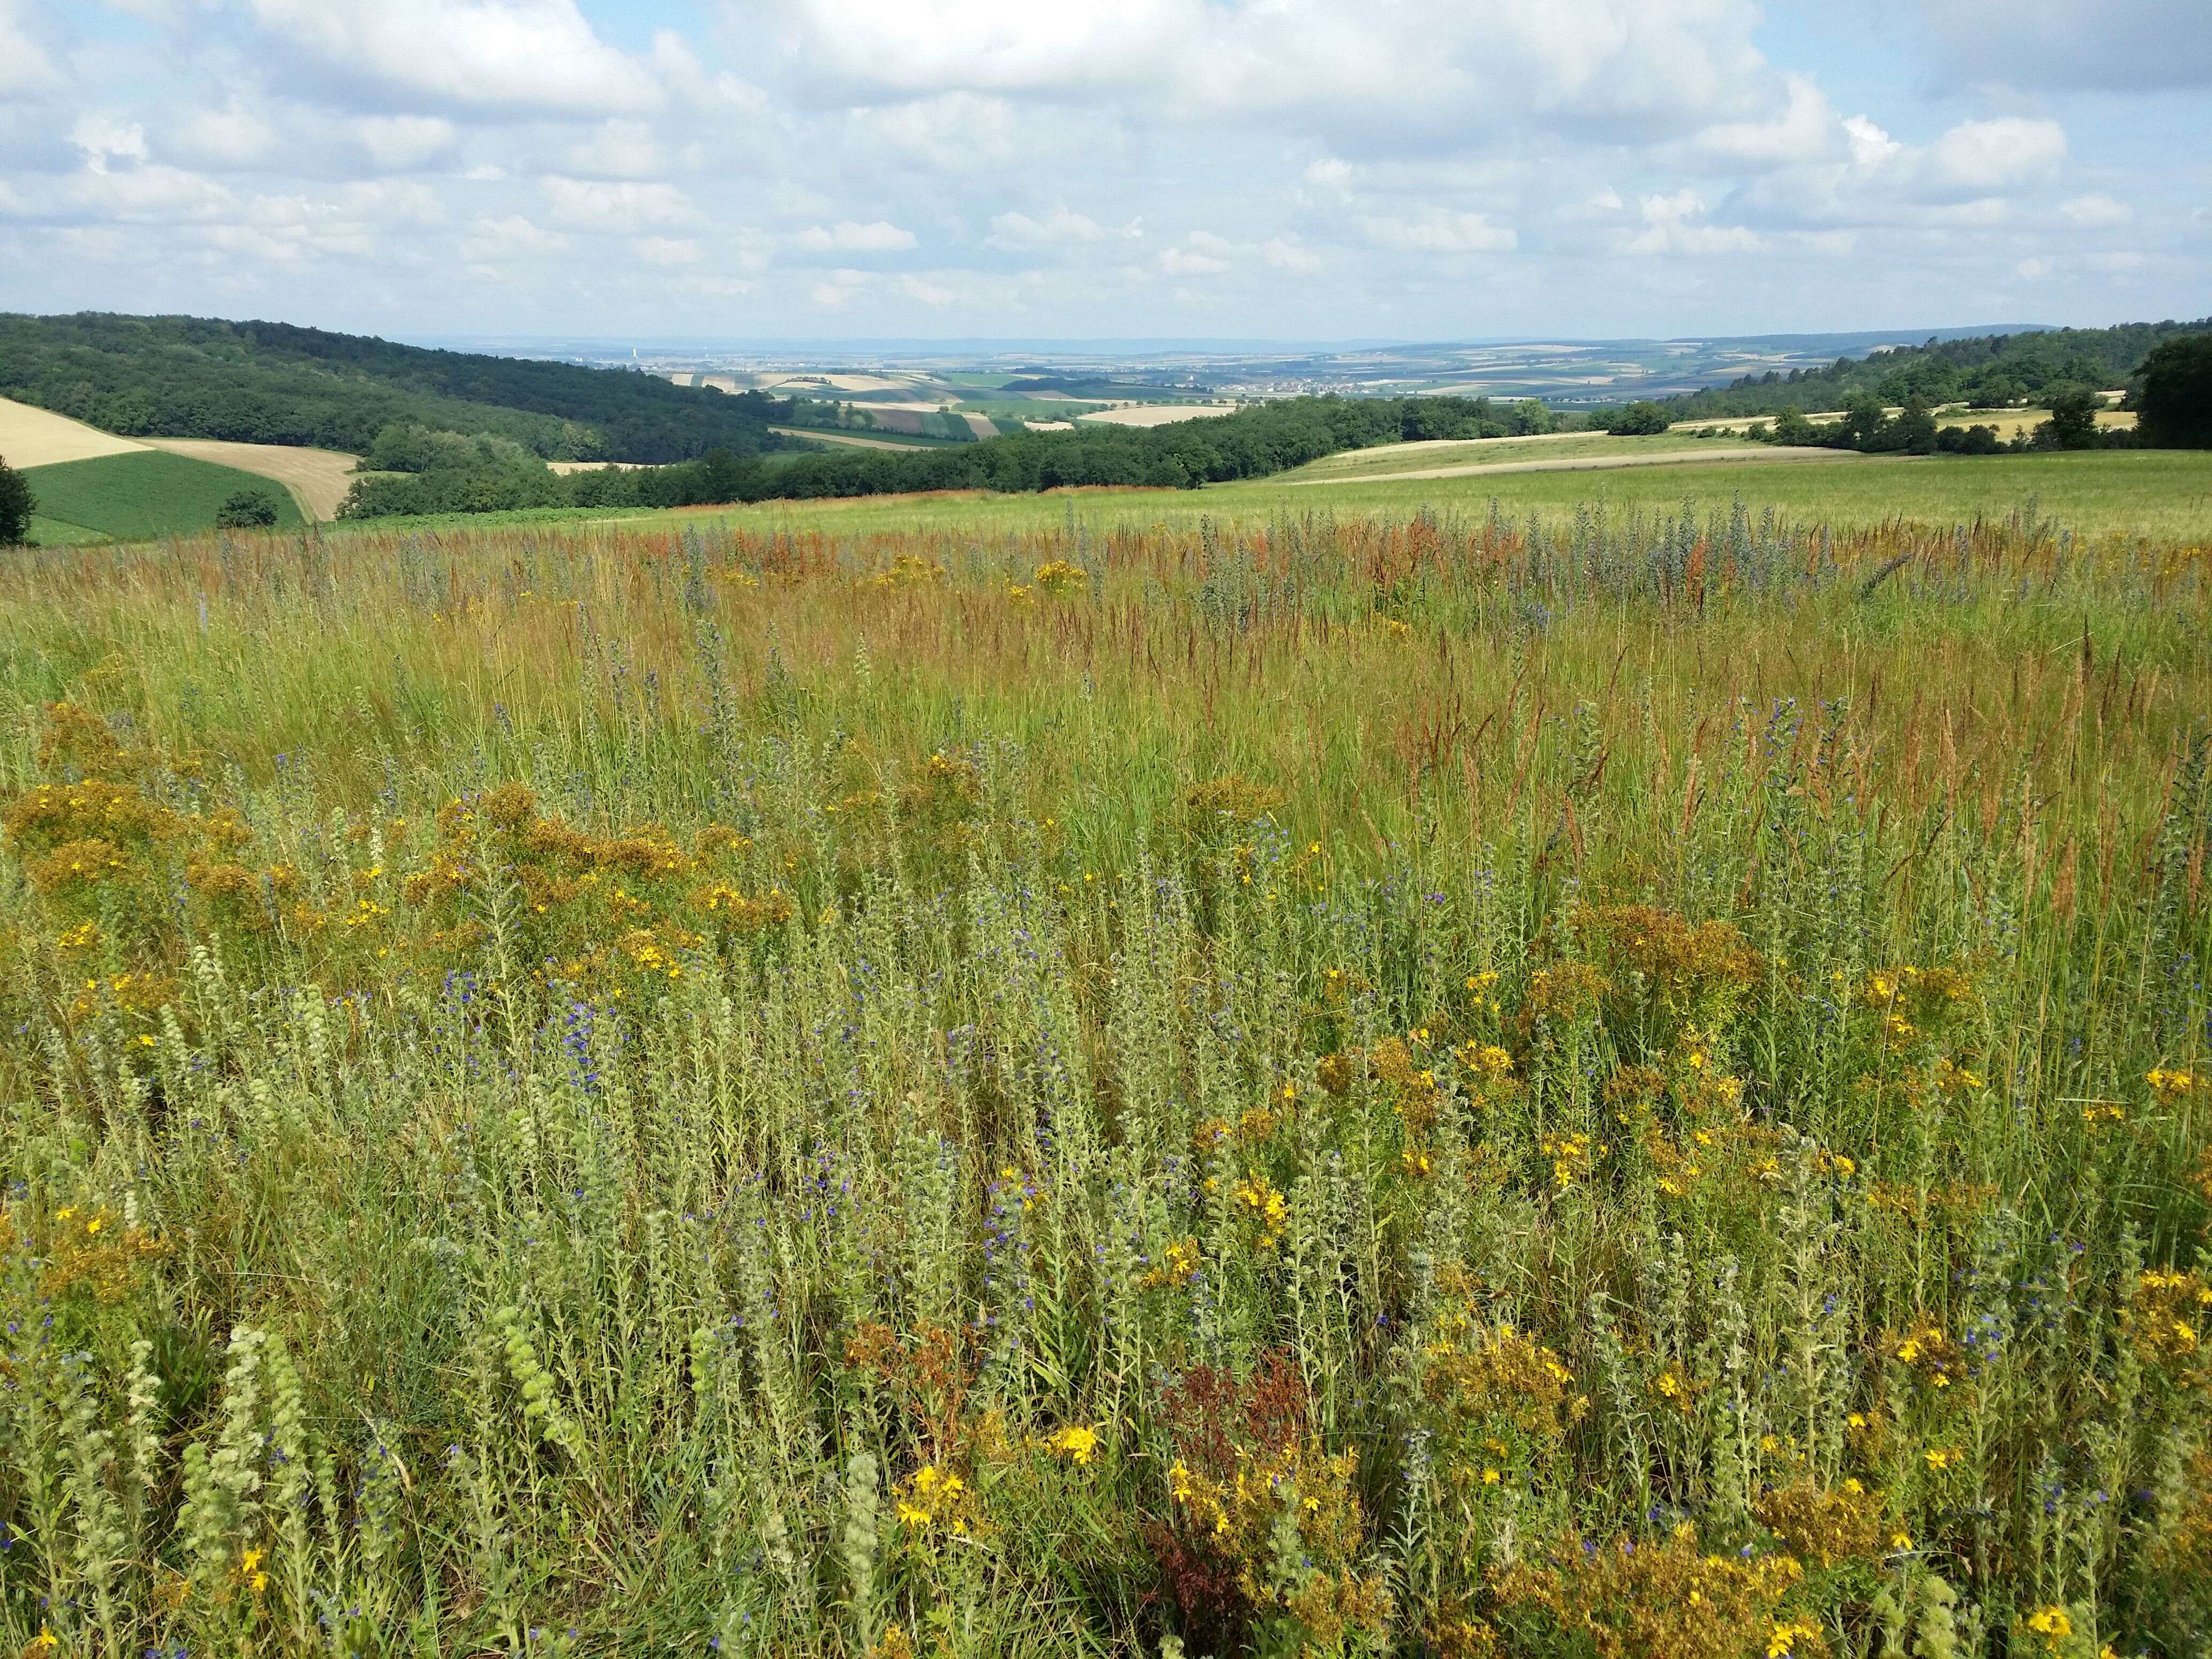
{"points": [[1452, 1085]]}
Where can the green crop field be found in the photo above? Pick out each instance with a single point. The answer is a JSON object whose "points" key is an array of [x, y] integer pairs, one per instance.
{"points": [[144, 495], [1263, 1071]]}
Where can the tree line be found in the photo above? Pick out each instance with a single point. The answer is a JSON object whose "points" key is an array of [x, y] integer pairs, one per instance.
{"points": [[1252, 443]]}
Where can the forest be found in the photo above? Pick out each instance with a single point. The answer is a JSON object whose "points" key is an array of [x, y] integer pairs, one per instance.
{"points": [[1989, 372], [271, 383]]}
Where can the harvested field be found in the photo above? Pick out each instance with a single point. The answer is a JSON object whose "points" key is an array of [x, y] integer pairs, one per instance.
{"points": [[853, 439], [2013, 423], [317, 478], [1766, 453], [1160, 414], [38, 437]]}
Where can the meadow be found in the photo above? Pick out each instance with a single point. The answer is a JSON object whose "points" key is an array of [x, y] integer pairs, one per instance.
{"points": [[1203, 1073]]}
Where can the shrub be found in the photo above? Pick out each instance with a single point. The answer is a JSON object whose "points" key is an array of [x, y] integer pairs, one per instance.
{"points": [[1639, 420], [17, 505], [248, 509]]}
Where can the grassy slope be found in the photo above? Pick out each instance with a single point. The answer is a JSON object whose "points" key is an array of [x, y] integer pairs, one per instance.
{"points": [[2156, 493], [2166, 493], [152, 493], [1485, 451]]}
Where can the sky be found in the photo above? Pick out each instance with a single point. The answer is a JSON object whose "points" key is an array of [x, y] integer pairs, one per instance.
{"points": [[1278, 169]]}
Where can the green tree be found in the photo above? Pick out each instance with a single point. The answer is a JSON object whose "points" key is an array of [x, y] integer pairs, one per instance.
{"points": [[1639, 420], [1916, 428], [2174, 399], [17, 505], [2074, 417], [1792, 427], [1865, 422], [248, 509], [1529, 418]]}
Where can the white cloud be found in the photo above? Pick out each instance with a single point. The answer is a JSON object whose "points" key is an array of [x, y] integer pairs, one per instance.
{"points": [[1606, 166], [2031, 271], [1804, 130], [1675, 223], [595, 204], [1984, 156], [2096, 210], [1202, 254], [1870, 146], [1652, 67], [1331, 177], [105, 138], [837, 288], [496, 239], [1014, 231], [232, 136], [956, 133], [538, 55], [23, 67], [619, 148], [152, 194], [1437, 231], [878, 237], [396, 143]]}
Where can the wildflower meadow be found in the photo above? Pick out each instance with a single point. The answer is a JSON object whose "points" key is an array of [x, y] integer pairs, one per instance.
{"points": [[1609, 1086]]}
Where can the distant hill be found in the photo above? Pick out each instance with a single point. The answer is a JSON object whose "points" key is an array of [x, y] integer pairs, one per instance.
{"points": [[1987, 371], [271, 383]]}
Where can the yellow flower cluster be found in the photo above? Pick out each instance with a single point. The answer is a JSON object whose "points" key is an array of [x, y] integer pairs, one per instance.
{"points": [[1265, 1204], [935, 1498], [1570, 1159], [2172, 1086], [1178, 1262], [2166, 1317], [1076, 1443]]}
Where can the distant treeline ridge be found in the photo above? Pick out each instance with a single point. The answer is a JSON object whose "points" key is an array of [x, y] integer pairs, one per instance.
{"points": [[1989, 372], [1253, 443]]}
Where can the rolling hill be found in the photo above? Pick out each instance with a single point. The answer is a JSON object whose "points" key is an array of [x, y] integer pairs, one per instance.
{"points": [[272, 383], [140, 495], [1990, 370]]}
